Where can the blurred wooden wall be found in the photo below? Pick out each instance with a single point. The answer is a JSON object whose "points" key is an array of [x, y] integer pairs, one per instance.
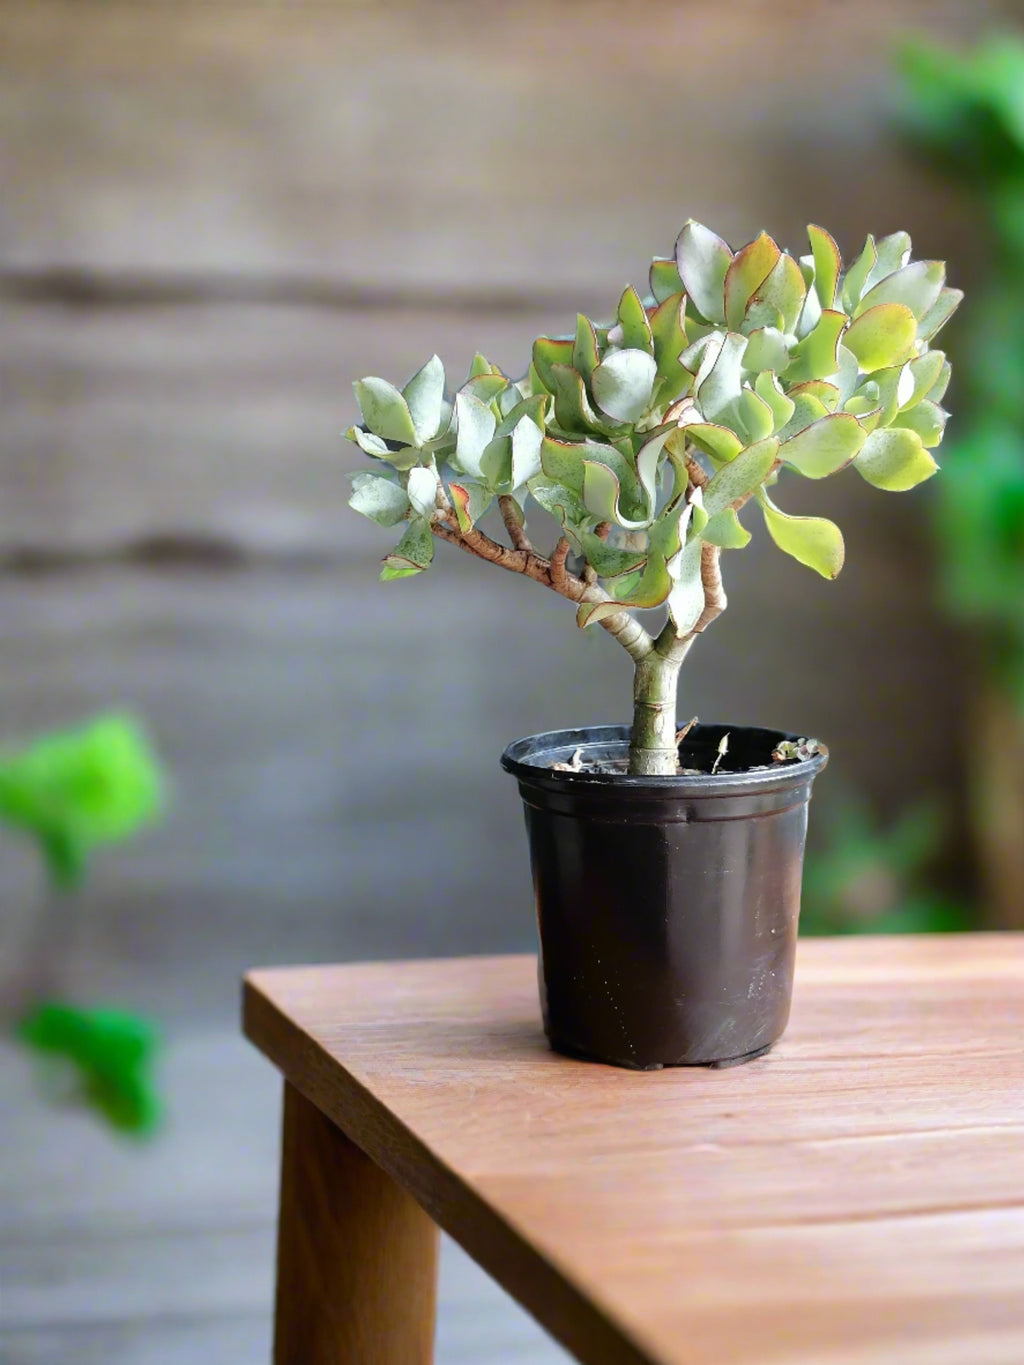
{"points": [[213, 218]]}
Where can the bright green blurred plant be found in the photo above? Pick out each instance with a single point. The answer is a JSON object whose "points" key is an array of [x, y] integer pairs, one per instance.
{"points": [[967, 110], [73, 791], [645, 438], [870, 877]]}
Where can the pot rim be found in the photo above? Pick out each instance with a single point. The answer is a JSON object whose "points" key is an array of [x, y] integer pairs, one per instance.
{"points": [[551, 743]]}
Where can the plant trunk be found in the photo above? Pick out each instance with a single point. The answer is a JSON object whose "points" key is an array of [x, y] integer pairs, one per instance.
{"points": [[652, 748]]}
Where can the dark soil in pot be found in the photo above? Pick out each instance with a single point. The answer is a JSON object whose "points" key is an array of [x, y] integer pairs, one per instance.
{"points": [[667, 906]]}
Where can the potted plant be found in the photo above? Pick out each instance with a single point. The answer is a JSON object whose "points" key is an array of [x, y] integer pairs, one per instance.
{"points": [[667, 863]]}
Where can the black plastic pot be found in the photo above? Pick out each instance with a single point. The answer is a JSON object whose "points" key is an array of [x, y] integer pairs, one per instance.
{"points": [[667, 906]]}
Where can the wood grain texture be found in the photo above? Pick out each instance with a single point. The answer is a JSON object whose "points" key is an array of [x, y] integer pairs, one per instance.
{"points": [[854, 1198], [444, 148], [356, 1255]]}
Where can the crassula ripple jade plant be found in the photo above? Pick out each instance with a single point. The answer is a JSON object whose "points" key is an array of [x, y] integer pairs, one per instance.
{"points": [[646, 439]]}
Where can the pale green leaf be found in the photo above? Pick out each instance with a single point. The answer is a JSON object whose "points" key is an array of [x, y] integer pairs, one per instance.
{"points": [[741, 476], [938, 390], [664, 279], [893, 458], [882, 336], [526, 462], [422, 489], [725, 530], [925, 371], [412, 554], [926, 418], [379, 499], [686, 600], [548, 351], [779, 299], [817, 355], [857, 275], [632, 316], [826, 393], [623, 384], [937, 317], [916, 286], [827, 265], [892, 253], [753, 416], [769, 390], [609, 496], [807, 408], [824, 447], [476, 426], [424, 397], [471, 500], [384, 410], [669, 344], [767, 349], [812, 541], [584, 350], [609, 560], [719, 391], [368, 442], [749, 268], [703, 259], [562, 462], [721, 443]]}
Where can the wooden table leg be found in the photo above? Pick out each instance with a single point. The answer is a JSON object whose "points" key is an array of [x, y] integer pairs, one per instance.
{"points": [[356, 1255]]}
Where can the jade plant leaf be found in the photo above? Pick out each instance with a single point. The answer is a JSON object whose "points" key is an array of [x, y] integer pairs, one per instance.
{"points": [[916, 285], [470, 500], [749, 268], [703, 261], [725, 530], [424, 397], [882, 336], [824, 447], [382, 500], [476, 427], [413, 553], [894, 459], [664, 279], [623, 384], [384, 410], [633, 324], [827, 265], [813, 541]]}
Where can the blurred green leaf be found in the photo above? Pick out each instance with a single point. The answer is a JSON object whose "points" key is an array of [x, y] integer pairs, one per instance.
{"points": [[79, 788]]}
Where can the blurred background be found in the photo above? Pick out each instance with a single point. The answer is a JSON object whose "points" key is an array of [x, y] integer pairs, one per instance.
{"points": [[214, 218]]}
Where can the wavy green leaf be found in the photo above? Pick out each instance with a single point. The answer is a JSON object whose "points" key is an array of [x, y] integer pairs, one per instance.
{"points": [[424, 397], [917, 286], [382, 500], [882, 336], [812, 541], [413, 553], [623, 384], [824, 447], [725, 530], [703, 260], [894, 459], [749, 269], [741, 476], [827, 265], [384, 410]]}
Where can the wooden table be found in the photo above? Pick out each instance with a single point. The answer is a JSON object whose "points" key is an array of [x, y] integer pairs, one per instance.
{"points": [[855, 1196]]}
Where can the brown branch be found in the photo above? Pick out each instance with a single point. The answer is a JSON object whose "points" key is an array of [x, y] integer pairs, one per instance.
{"points": [[513, 520], [551, 574], [559, 575]]}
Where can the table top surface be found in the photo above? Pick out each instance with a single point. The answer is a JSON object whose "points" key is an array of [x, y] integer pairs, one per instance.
{"points": [[855, 1197]]}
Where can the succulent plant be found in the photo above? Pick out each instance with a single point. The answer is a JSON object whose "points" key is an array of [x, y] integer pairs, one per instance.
{"points": [[647, 438]]}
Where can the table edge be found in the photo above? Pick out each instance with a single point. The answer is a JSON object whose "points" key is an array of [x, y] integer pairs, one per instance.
{"points": [[562, 1308]]}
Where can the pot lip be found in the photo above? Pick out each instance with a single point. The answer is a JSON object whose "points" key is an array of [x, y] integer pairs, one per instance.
{"points": [[515, 760]]}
